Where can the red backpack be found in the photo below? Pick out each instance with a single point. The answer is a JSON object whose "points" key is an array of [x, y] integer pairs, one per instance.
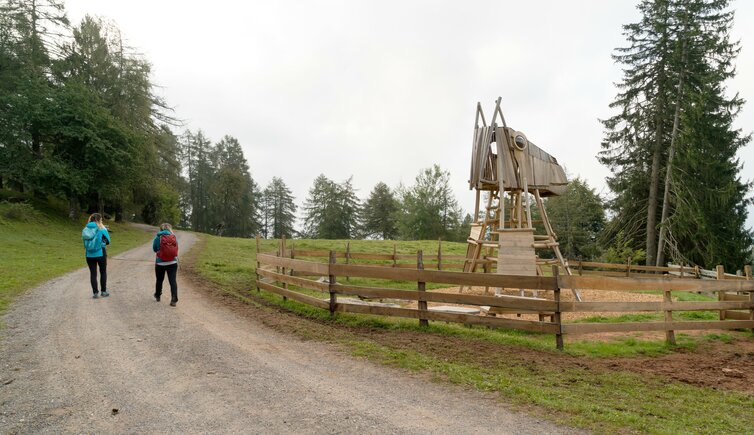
{"points": [[168, 247]]}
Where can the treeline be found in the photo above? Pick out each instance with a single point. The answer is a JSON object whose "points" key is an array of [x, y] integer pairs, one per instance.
{"points": [[78, 116], [222, 198], [80, 120]]}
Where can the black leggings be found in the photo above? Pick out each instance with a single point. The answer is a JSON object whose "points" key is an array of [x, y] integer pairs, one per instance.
{"points": [[92, 262], [159, 272]]}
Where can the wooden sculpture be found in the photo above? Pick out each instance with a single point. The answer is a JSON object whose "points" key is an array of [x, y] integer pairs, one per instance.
{"points": [[503, 160]]}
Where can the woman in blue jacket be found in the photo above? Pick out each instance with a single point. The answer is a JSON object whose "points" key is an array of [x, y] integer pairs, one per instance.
{"points": [[95, 238]]}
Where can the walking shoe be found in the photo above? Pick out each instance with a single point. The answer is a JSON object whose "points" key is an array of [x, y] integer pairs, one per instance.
{"points": [[105, 294], [95, 296], [172, 303], [157, 298]]}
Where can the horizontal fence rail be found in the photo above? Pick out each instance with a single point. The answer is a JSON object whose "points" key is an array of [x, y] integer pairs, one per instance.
{"points": [[286, 274]]}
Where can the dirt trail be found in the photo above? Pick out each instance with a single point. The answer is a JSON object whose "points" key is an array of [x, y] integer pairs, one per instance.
{"points": [[68, 361]]}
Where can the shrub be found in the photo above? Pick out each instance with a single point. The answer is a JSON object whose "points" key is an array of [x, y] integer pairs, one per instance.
{"points": [[18, 211]]}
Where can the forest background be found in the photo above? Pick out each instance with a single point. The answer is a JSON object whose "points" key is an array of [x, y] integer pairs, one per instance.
{"points": [[83, 120]]}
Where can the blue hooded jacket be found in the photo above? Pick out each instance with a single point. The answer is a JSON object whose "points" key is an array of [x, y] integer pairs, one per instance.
{"points": [[90, 231], [156, 248]]}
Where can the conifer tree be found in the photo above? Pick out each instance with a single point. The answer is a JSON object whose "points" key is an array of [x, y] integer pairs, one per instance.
{"points": [[278, 210], [671, 98], [379, 213], [331, 210]]}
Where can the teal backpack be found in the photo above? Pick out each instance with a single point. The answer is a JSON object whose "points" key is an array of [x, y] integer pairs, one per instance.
{"points": [[92, 239]]}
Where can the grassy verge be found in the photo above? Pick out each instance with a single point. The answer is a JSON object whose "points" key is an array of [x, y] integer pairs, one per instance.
{"points": [[522, 367], [38, 245], [605, 402]]}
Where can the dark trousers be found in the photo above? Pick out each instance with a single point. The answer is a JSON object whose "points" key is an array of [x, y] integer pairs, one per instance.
{"points": [[159, 272], [93, 262]]}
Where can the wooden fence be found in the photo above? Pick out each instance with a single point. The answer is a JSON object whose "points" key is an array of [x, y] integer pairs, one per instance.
{"points": [[441, 261], [284, 274]]}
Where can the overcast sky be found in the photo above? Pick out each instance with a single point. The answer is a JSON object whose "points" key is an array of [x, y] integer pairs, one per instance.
{"points": [[379, 90]]}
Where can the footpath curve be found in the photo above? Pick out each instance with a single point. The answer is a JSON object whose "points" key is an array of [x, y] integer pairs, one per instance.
{"points": [[68, 362]]}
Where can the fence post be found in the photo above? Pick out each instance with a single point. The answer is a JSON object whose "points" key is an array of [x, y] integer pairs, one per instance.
{"points": [[747, 273], [291, 271], [667, 298], [556, 317], [281, 253], [720, 269], [331, 286], [256, 269], [348, 256], [439, 254], [394, 259], [628, 266], [422, 286]]}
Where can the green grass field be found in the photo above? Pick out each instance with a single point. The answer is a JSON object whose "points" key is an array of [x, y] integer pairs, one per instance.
{"points": [[606, 402], [40, 244]]}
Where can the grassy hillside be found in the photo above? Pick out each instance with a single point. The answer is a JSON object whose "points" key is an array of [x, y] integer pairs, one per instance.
{"points": [[39, 243], [596, 385]]}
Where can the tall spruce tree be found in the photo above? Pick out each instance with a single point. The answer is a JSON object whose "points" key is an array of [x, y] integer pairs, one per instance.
{"points": [[278, 210], [379, 213], [234, 192], [331, 210], [671, 99]]}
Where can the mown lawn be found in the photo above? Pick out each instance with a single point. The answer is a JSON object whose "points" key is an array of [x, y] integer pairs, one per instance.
{"points": [[575, 395], [38, 245]]}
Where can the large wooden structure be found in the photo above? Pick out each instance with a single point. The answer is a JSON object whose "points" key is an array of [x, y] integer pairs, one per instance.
{"points": [[512, 172]]}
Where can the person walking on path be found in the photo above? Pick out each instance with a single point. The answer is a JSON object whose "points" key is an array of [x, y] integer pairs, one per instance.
{"points": [[95, 238], [165, 245]]}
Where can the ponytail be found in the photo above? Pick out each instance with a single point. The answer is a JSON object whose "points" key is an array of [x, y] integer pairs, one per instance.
{"points": [[97, 219]]}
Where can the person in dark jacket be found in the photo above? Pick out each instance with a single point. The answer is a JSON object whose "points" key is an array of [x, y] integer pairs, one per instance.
{"points": [[95, 238], [165, 245]]}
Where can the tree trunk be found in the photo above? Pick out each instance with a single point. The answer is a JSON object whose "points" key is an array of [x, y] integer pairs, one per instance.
{"points": [[652, 198], [654, 177], [73, 208], [100, 204], [119, 212], [666, 194]]}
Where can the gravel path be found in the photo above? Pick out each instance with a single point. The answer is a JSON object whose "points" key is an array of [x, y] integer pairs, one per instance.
{"points": [[68, 362]]}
